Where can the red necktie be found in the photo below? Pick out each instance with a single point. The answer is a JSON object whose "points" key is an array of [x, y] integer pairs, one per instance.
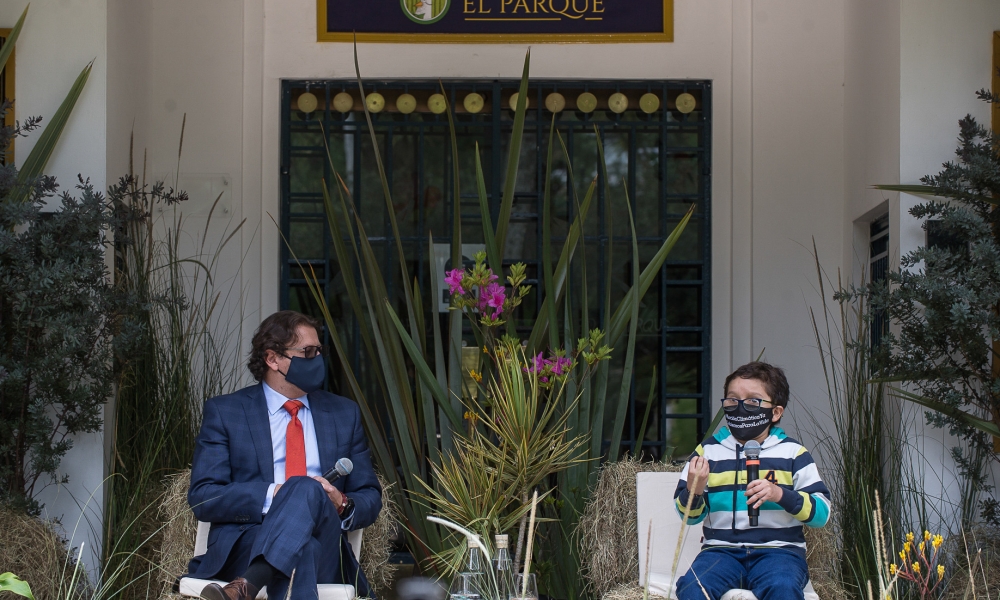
{"points": [[295, 443]]}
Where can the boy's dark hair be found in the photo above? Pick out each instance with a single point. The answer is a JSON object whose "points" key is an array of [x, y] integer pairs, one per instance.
{"points": [[771, 376], [276, 333]]}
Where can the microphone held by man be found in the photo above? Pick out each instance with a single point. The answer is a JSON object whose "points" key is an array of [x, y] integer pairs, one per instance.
{"points": [[343, 468]]}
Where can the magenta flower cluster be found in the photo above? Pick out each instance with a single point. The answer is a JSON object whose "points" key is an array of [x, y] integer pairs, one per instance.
{"points": [[549, 368], [454, 280], [491, 295]]}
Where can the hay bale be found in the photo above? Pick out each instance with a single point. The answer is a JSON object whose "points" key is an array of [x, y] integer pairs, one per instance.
{"points": [[178, 531], [180, 528], [377, 544], [972, 560], [627, 591], [607, 533], [823, 558], [33, 550]]}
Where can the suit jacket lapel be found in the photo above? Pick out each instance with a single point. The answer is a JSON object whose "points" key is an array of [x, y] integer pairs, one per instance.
{"points": [[325, 423], [260, 430]]}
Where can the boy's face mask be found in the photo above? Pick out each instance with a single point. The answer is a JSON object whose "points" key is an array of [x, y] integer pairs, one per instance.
{"points": [[746, 425]]}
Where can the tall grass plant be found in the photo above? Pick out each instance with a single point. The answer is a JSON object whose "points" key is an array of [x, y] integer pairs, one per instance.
{"points": [[864, 452], [187, 326]]}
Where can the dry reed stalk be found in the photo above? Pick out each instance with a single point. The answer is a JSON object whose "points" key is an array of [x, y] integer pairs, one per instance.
{"points": [[649, 554], [680, 539], [531, 542]]}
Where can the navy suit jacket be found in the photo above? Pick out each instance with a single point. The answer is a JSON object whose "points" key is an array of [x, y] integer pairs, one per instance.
{"points": [[233, 466]]}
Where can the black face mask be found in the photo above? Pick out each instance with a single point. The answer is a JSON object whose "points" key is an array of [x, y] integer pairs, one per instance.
{"points": [[745, 425], [307, 374]]}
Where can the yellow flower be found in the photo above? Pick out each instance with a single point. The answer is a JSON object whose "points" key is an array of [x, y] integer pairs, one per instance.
{"points": [[927, 535], [892, 569], [486, 350], [477, 376], [907, 547], [940, 572], [471, 416], [902, 555], [915, 567], [909, 536], [937, 541], [921, 547]]}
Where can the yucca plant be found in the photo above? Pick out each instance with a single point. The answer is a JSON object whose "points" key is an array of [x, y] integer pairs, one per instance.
{"points": [[424, 416]]}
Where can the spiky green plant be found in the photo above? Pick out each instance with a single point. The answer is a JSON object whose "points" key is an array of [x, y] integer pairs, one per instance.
{"points": [[424, 415]]}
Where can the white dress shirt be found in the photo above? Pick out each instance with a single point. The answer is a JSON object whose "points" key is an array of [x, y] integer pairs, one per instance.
{"points": [[280, 418]]}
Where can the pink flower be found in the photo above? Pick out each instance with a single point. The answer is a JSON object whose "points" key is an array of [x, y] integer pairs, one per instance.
{"points": [[561, 365], [454, 281], [492, 296]]}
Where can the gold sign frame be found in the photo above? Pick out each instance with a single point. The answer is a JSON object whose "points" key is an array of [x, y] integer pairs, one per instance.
{"points": [[666, 35]]}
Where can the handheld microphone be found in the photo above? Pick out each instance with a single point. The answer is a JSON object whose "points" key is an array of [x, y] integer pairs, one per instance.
{"points": [[752, 450], [343, 468]]}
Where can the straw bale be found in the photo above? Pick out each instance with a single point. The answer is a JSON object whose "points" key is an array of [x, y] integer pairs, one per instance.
{"points": [[178, 532], [607, 533], [823, 558], [976, 551], [377, 544], [180, 528], [625, 591], [33, 550]]}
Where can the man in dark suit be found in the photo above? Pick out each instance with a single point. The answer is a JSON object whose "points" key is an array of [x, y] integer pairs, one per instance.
{"points": [[257, 474]]}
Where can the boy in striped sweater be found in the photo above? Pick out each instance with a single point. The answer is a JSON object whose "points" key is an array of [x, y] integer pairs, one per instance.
{"points": [[768, 559]]}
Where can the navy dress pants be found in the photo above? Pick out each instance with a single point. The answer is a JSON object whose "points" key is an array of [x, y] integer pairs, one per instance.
{"points": [[770, 573], [300, 532]]}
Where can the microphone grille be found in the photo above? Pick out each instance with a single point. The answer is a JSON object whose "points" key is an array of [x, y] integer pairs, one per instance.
{"points": [[752, 449], [344, 467]]}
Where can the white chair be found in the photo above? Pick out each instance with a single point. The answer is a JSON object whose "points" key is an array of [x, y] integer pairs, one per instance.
{"points": [[192, 587], [655, 497]]}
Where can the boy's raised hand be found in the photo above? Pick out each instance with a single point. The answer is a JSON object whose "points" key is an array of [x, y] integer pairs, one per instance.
{"points": [[697, 477]]}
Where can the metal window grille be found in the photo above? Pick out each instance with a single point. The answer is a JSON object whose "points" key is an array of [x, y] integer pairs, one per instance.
{"points": [[878, 252], [663, 158]]}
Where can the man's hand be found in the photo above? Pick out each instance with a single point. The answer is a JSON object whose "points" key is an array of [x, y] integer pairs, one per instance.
{"points": [[697, 477], [761, 490], [333, 493]]}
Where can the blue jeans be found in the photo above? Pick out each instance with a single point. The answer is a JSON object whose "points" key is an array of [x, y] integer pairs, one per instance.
{"points": [[770, 573]]}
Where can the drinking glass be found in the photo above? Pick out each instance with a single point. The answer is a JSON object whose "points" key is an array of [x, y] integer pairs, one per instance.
{"points": [[522, 591]]}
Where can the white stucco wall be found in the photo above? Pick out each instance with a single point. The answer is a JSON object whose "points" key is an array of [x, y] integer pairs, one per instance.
{"points": [[777, 149], [945, 56], [812, 103], [57, 41]]}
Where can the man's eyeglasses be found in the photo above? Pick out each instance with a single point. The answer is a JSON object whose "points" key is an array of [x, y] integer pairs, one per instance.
{"points": [[751, 404], [308, 351]]}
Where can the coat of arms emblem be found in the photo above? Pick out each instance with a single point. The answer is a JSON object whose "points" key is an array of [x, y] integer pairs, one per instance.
{"points": [[425, 12]]}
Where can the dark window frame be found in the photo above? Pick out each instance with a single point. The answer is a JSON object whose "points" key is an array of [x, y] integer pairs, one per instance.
{"points": [[538, 119]]}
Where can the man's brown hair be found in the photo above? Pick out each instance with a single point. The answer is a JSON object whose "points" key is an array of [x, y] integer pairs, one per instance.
{"points": [[276, 333], [771, 376]]}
